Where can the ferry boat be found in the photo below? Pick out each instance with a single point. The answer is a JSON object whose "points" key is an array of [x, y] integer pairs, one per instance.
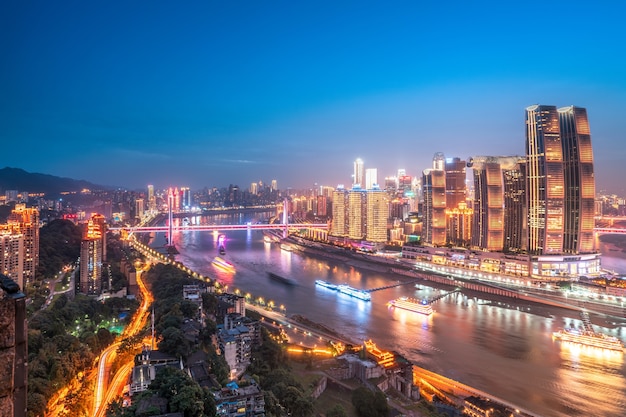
{"points": [[326, 284], [223, 264], [353, 292], [410, 304], [589, 338], [346, 289]]}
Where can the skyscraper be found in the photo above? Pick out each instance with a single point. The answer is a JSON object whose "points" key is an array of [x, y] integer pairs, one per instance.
{"points": [[27, 220], [560, 187], [545, 183], [339, 226], [498, 202], [434, 190], [579, 181], [377, 214], [91, 259], [371, 178], [358, 173]]}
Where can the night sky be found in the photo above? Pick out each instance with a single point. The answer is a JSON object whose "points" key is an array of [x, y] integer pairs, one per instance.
{"points": [[213, 93]]}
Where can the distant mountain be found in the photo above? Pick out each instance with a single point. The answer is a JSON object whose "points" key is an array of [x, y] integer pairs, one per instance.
{"points": [[20, 180]]}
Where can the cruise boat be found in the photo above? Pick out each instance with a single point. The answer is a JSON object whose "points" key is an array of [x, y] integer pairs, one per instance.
{"points": [[411, 304], [353, 292], [326, 284], [345, 289], [589, 338], [223, 264]]}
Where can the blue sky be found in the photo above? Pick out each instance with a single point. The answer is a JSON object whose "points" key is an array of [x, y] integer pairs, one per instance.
{"points": [[213, 93]]}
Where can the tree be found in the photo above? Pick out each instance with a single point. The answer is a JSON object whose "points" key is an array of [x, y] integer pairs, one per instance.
{"points": [[173, 342], [369, 404], [337, 411]]}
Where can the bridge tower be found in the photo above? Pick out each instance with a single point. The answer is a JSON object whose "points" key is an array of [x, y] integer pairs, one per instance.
{"points": [[285, 217], [170, 217]]}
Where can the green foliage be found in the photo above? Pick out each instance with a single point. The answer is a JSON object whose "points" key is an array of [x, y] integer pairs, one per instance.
{"points": [[59, 245], [174, 343], [370, 404], [337, 411], [183, 393]]}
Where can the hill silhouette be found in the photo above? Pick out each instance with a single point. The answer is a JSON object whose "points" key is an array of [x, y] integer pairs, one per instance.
{"points": [[20, 180]]}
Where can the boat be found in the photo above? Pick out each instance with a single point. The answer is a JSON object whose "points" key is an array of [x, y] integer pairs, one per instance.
{"points": [[280, 278], [326, 284], [589, 338], [411, 304], [345, 289], [353, 292], [223, 264]]}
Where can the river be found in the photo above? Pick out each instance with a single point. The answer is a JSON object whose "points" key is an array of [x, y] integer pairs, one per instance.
{"points": [[493, 344]]}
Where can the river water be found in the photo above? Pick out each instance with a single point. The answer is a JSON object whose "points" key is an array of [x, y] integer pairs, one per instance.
{"points": [[496, 345]]}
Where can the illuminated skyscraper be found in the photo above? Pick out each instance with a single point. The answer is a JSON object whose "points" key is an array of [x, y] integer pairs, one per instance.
{"points": [[358, 173], [27, 220], [274, 185], [371, 178], [91, 259], [357, 215], [560, 188], [151, 198], [439, 161], [12, 253], [545, 183], [339, 225], [498, 202], [377, 215], [434, 208], [579, 181]]}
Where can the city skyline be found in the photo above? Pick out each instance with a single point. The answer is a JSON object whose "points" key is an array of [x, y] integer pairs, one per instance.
{"points": [[218, 94]]}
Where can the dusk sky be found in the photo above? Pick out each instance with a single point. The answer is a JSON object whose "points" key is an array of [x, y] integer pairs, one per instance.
{"points": [[213, 93]]}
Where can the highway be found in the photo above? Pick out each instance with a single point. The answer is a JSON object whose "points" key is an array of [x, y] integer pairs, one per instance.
{"points": [[104, 392]]}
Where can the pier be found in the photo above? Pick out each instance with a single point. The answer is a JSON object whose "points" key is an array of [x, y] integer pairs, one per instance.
{"points": [[397, 284]]}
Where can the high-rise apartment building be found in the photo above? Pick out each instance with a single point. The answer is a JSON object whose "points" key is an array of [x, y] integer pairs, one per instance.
{"points": [[340, 213], [357, 215], [151, 198], [371, 178], [358, 173], [12, 253], [377, 206], [13, 349], [91, 253], [27, 220]]}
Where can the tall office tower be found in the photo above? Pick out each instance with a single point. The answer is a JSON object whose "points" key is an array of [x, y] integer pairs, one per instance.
{"points": [[371, 178], [322, 205], [185, 202], [100, 220], [327, 191], [274, 185], [455, 182], [91, 259], [515, 211], [498, 202], [339, 226], [391, 184], [545, 182], [13, 349], [357, 215], [439, 161], [434, 190], [405, 185], [139, 208], [254, 188], [12, 253], [579, 181], [377, 214], [151, 198], [358, 173], [27, 219]]}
